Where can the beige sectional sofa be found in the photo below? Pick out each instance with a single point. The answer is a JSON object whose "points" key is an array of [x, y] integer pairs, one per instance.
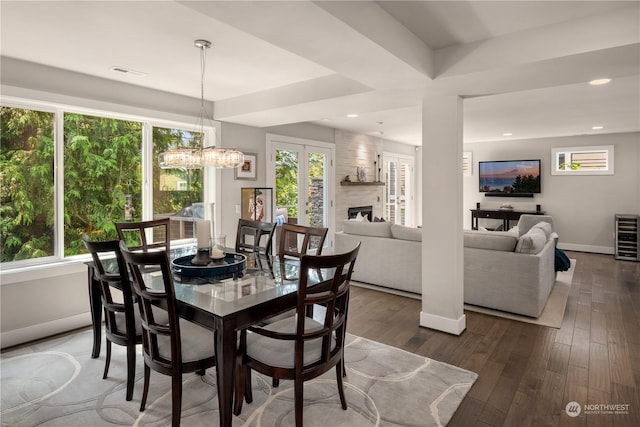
{"points": [[511, 271]]}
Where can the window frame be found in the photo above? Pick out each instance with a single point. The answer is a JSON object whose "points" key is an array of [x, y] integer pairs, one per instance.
{"points": [[211, 177], [608, 149]]}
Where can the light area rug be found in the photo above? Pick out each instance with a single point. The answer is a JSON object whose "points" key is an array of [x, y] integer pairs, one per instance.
{"points": [[553, 312], [56, 383]]}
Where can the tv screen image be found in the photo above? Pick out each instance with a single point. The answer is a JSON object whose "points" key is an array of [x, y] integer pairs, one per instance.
{"points": [[509, 176]]}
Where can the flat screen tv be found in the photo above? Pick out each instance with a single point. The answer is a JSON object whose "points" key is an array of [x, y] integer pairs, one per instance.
{"points": [[509, 177]]}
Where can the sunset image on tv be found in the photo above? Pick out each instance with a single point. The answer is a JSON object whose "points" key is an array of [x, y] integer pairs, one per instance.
{"points": [[518, 176]]}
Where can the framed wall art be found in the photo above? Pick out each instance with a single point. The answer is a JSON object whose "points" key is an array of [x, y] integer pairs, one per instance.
{"points": [[257, 203], [248, 168]]}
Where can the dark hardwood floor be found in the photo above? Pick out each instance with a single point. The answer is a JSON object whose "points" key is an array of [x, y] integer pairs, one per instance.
{"points": [[529, 373]]}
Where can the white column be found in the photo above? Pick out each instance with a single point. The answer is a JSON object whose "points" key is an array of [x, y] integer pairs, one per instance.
{"points": [[442, 244]]}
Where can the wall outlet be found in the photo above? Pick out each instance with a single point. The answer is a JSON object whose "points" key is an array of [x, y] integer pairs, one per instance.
{"points": [[237, 209]]}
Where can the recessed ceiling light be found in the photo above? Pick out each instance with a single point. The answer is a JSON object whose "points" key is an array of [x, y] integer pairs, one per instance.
{"points": [[598, 82], [507, 134], [351, 116], [597, 127]]}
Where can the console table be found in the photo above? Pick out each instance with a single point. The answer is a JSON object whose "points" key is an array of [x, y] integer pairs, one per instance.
{"points": [[506, 215]]}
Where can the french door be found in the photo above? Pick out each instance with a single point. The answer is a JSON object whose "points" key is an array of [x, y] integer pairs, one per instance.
{"points": [[301, 174], [398, 171]]}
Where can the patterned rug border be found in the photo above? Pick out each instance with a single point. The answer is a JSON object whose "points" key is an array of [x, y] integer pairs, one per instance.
{"points": [[382, 382]]}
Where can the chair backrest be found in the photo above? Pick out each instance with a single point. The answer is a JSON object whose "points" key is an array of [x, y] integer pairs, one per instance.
{"points": [[160, 338], [297, 240], [254, 236], [334, 297], [145, 235], [110, 282]]}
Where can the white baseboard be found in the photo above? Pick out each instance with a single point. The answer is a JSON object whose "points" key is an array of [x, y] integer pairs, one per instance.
{"points": [[43, 330], [586, 248], [444, 324], [385, 289]]}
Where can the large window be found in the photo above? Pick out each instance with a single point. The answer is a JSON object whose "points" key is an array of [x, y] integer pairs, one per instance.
{"points": [[398, 170], [102, 158], [56, 185], [176, 190], [27, 189]]}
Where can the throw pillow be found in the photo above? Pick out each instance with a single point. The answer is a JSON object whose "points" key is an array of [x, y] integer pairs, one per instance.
{"points": [[362, 218], [544, 226], [406, 233], [531, 242]]}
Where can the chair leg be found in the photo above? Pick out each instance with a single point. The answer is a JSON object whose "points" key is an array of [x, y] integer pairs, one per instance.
{"points": [[107, 360], [240, 385], [248, 394], [298, 391], [131, 369], [176, 392], [275, 382], [145, 387], [343, 401]]}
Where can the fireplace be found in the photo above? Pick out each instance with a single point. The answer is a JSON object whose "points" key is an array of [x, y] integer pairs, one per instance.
{"points": [[363, 210]]}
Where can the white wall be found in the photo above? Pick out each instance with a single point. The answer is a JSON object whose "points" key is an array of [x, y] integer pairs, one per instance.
{"points": [[583, 207]]}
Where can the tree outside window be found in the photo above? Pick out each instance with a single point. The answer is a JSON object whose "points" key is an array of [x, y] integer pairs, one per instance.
{"points": [[27, 186]]}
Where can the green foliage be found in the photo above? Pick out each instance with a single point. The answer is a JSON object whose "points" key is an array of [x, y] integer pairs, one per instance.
{"points": [[172, 201], [102, 160], [287, 177], [287, 181], [26, 184]]}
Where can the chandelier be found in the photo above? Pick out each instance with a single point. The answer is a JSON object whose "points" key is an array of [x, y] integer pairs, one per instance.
{"points": [[200, 156]]}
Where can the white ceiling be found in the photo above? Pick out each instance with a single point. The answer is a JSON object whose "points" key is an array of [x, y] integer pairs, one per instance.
{"points": [[522, 66]]}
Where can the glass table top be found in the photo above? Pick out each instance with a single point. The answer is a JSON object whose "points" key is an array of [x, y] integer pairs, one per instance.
{"points": [[262, 280]]}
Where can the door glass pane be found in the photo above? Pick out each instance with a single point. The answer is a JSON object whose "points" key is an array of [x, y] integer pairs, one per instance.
{"points": [[102, 158], [287, 171], [175, 191], [316, 205], [27, 192], [317, 190]]}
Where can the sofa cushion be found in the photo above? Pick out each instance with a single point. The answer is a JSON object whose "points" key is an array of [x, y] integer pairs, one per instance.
{"points": [[532, 241], [406, 233], [544, 226], [376, 229], [493, 240]]}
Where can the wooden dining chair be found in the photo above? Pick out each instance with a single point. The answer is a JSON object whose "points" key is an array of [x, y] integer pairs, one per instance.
{"points": [[300, 348], [121, 321], [145, 235], [254, 236], [171, 345], [297, 240]]}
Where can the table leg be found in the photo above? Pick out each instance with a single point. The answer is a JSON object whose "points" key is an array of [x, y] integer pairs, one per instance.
{"points": [[95, 305], [225, 361]]}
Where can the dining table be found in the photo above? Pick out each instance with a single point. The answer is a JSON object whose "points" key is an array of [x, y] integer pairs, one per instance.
{"points": [[265, 287]]}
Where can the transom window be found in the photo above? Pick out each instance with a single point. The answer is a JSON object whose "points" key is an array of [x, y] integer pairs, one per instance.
{"points": [[582, 160]]}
